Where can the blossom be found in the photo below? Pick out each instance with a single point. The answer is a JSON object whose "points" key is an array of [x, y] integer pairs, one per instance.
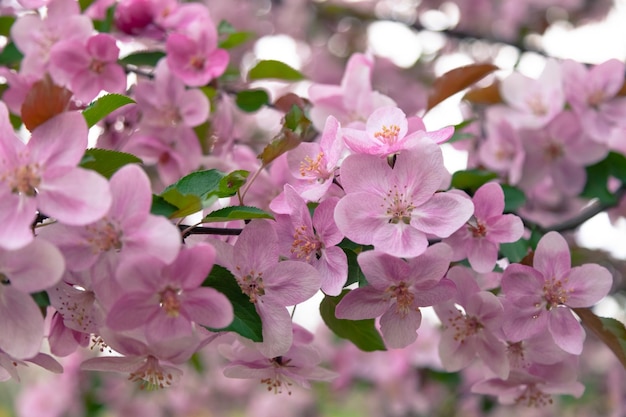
{"points": [[394, 208], [270, 285], [540, 298], [168, 299], [396, 291], [480, 239], [313, 239], [300, 364], [387, 132], [472, 332], [43, 174]]}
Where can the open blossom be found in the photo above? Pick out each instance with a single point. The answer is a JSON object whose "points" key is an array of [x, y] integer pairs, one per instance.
{"points": [[88, 67], [270, 285], [43, 175], [299, 365], [394, 208], [313, 239], [480, 239], [352, 101], [472, 332], [396, 291], [315, 165], [168, 299], [387, 131], [540, 298]]}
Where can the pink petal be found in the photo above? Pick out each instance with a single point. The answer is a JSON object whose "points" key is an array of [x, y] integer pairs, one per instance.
{"points": [[191, 267], [59, 142], [443, 214], [482, 255], [208, 307], [277, 330], [21, 327], [587, 284], [362, 303], [290, 282], [34, 267], [133, 310], [505, 229], [399, 240], [488, 201], [441, 292], [567, 333], [399, 330], [76, 198], [333, 268], [17, 213], [552, 257]]}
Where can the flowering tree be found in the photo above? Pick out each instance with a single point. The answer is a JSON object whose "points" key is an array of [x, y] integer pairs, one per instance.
{"points": [[169, 198]]}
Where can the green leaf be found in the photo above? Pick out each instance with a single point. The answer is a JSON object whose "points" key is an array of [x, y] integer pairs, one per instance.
{"points": [[354, 271], [103, 106], [41, 298], [515, 251], [10, 55], [247, 322], [459, 135], [617, 164], [231, 213], [160, 207], [143, 58], [252, 100], [225, 28], [84, 4], [472, 179], [107, 162], [193, 192], [230, 184], [514, 198], [235, 39], [362, 333], [597, 182], [610, 331], [274, 70], [5, 25]]}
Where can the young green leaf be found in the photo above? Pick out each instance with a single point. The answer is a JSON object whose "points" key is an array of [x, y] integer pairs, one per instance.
{"points": [[106, 162], [103, 106], [471, 180], [362, 333], [231, 213], [230, 184], [142, 58], [609, 331], [274, 70], [252, 100], [193, 192]]}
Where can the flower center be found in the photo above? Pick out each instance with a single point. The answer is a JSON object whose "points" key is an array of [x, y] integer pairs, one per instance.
{"points": [[536, 105], [476, 228], [403, 295], [398, 209], [388, 134], [464, 326], [169, 301], [310, 167], [278, 381], [596, 98], [152, 375], [553, 151], [104, 236], [197, 62], [252, 285], [96, 66], [305, 244], [517, 356], [25, 179], [532, 397], [554, 293]]}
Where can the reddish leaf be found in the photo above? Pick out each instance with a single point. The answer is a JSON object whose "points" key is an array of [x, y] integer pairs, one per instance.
{"points": [[457, 80], [610, 331], [44, 101], [286, 102], [622, 91], [285, 141], [486, 95]]}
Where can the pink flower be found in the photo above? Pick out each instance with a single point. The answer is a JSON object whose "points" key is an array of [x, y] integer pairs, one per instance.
{"points": [[313, 240], [387, 132], [352, 101], [480, 239], [300, 364], [127, 230], [394, 208], [540, 298], [315, 165], [168, 299], [43, 175], [165, 102], [396, 291], [35, 36], [560, 151], [87, 68], [193, 55], [271, 285], [471, 333]]}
